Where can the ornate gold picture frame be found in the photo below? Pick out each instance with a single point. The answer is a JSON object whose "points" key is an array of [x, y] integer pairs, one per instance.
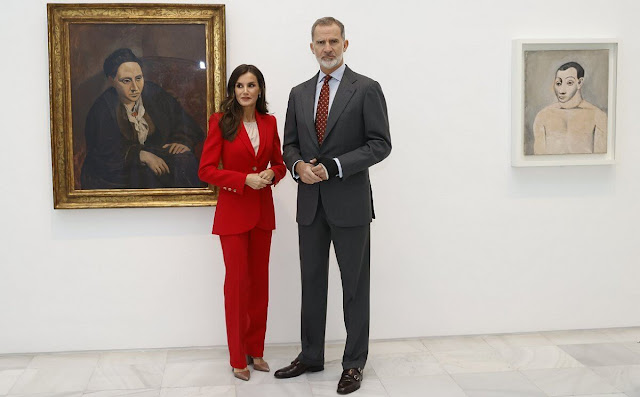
{"points": [[131, 89]]}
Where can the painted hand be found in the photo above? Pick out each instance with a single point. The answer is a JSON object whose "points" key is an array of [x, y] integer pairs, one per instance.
{"points": [[155, 163], [176, 148]]}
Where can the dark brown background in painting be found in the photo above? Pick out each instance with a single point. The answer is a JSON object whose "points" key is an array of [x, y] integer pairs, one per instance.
{"points": [[171, 56]]}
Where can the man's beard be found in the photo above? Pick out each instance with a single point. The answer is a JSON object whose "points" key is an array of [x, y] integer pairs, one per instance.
{"points": [[330, 64]]}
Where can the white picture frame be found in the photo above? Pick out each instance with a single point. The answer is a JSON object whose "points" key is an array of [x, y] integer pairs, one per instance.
{"points": [[536, 86]]}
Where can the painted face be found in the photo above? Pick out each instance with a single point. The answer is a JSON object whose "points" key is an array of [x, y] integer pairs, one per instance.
{"points": [[328, 46], [247, 90], [567, 84], [128, 82]]}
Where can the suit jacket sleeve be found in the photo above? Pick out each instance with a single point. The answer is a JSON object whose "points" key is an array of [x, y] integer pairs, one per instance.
{"points": [[210, 160], [377, 137], [276, 161], [291, 144]]}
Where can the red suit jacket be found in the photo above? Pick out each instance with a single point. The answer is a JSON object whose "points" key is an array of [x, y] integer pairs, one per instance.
{"points": [[241, 208]]}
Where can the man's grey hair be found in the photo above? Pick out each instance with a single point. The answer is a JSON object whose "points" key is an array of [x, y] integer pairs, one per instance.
{"points": [[327, 21]]}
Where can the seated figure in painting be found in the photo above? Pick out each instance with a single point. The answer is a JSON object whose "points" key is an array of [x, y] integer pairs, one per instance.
{"points": [[137, 135], [571, 125]]}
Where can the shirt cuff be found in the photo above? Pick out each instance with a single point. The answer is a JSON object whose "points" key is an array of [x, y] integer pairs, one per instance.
{"points": [[293, 170], [339, 167]]}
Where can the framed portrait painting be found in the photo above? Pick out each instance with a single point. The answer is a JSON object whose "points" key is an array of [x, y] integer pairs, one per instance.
{"points": [[131, 88], [563, 104]]}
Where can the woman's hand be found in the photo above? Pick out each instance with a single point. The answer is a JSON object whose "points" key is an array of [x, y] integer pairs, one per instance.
{"points": [[155, 163], [267, 174], [256, 182]]}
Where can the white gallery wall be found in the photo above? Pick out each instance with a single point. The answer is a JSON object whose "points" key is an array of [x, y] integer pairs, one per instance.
{"points": [[463, 243]]}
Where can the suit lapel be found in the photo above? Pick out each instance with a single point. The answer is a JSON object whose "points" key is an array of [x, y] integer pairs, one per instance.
{"points": [[308, 102], [262, 131], [346, 89], [244, 138]]}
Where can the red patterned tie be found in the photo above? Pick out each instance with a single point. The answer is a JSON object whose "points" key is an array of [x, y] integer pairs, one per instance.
{"points": [[323, 110]]}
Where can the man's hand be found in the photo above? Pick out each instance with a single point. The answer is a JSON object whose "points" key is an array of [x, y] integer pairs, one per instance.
{"points": [[306, 174], [256, 182], [319, 169], [267, 174], [155, 163], [176, 148]]}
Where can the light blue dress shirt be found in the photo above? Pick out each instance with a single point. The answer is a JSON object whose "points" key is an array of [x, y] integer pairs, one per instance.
{"points": [[334, 83]]}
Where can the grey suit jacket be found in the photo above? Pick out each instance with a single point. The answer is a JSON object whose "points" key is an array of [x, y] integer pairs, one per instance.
{"points": [[357, 134]]}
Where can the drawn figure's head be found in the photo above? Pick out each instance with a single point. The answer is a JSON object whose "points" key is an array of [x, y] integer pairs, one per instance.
{"points": [[569, 79], [124, 71]]}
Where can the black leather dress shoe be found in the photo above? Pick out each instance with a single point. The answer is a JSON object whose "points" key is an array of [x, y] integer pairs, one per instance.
{"points": [[296, 369], [350, 380]]}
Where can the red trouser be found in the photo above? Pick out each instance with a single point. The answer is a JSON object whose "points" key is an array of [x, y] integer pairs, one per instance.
{"points": [[246, 292]]}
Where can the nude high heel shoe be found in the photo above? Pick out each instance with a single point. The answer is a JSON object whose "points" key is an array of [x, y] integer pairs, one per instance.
{"points": [[262, 366], [242, 375]]}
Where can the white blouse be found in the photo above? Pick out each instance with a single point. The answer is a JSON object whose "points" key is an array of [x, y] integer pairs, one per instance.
{"points": [[254, 135]]}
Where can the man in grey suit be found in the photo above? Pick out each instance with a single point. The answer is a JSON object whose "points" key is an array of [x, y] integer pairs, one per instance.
{"points": [[336, 128]]}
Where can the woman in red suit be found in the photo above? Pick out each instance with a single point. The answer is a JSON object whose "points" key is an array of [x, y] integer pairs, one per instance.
{"points": [[245, 139]]}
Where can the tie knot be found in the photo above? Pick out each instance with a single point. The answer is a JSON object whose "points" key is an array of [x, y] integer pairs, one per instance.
{"points": [[327, 78]]}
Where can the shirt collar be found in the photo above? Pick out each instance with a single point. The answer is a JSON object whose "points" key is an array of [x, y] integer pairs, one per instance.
{"points": [[337, 74]]}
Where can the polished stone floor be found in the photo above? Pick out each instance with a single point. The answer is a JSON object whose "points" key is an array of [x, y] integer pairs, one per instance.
{"points": [[594, 363]]}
